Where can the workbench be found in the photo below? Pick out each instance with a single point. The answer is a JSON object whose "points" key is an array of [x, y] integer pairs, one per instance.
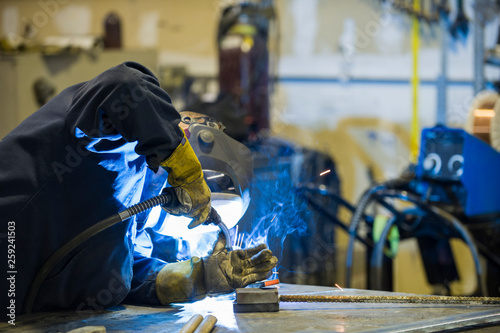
{"points": [[292, 317]]}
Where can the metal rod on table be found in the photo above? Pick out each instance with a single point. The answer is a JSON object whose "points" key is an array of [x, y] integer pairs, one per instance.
{"points": [[207, 324], [192, 324], [465, 300]]}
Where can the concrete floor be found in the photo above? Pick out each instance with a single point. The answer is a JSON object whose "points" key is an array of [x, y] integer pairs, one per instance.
{"points": [[292, 317]]}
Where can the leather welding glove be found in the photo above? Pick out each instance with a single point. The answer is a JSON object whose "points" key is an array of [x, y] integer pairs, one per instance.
{"points": [[220, 272], [225, 271], [186, 176]]}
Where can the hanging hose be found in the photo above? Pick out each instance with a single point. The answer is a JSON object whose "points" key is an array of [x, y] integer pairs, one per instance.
{"points": [[166, 198], [376, 260], [359, 213], [377, 255], [356, 218]]}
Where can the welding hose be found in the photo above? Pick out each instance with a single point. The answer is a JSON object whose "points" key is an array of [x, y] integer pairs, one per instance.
{"points": [[307, 190], [353, 226], [358, 214], [377, 256], [167, 198]]}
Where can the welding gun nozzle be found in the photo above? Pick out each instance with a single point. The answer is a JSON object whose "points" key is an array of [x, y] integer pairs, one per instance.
{"points": [[213, 217]]}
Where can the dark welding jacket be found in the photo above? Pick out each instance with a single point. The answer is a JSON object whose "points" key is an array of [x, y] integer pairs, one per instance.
{"points": [[82, 157]]}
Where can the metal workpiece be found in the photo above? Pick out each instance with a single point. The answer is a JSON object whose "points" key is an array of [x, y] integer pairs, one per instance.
{"points": [[256, 295], [256, 300], [462, 300]]}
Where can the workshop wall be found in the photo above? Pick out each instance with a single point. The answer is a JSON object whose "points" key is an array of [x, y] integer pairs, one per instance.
{"points": [[183, 28], [344, 72]]}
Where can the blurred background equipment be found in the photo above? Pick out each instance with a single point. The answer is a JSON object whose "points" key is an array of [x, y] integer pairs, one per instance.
{"points": [[481, 113], [246, 43], [453, 192], [112, 31]]}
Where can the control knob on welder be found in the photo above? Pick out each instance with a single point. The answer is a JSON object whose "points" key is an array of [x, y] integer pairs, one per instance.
{"points": [[432, 163], [455, 164]]}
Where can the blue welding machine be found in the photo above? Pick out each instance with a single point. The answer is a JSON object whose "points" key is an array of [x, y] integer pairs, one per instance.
{"points": [[453, 156]]}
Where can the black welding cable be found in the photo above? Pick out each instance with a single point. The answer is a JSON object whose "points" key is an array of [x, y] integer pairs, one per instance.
{"points": [[163, 199], [445, 216], [353, 226], [365, 200], [316, 188], [309, 189], [377, 256], [469, 240]]}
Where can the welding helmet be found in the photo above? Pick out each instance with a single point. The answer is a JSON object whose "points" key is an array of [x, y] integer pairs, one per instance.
{"points": [[227, 167]]}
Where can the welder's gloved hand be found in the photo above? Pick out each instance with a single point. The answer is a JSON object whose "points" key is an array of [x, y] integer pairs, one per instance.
{"points": [[180, 281], [220, 272], [226, 271], [186, 176]]}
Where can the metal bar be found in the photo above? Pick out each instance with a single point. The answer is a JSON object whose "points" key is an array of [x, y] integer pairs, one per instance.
{"points": [[207, 324], [192, 324], [462, 300]]}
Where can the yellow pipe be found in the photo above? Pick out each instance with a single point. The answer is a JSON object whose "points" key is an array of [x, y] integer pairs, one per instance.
{"points": [[415, 126]]}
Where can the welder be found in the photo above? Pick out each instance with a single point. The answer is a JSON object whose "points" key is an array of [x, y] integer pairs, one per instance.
{"points": [[94, 149]]}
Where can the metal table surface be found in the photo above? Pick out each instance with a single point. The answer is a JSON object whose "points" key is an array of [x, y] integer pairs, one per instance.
{"points": [[292, 317]]}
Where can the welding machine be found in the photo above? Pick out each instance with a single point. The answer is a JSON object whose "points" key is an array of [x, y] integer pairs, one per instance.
{"points": [[467, 164], [455, 190]]}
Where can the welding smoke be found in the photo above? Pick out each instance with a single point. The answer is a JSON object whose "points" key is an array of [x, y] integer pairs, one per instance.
{"points": [[275, 211]]}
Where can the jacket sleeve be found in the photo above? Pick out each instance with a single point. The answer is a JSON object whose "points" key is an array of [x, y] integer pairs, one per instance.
{"points": [[143, 287], [127, 103]]}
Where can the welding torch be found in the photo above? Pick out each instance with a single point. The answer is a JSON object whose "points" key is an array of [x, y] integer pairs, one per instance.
{"points": [[214, 218]]}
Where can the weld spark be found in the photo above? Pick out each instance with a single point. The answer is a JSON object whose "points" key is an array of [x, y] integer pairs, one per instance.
{"points": [[324, 172]]}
